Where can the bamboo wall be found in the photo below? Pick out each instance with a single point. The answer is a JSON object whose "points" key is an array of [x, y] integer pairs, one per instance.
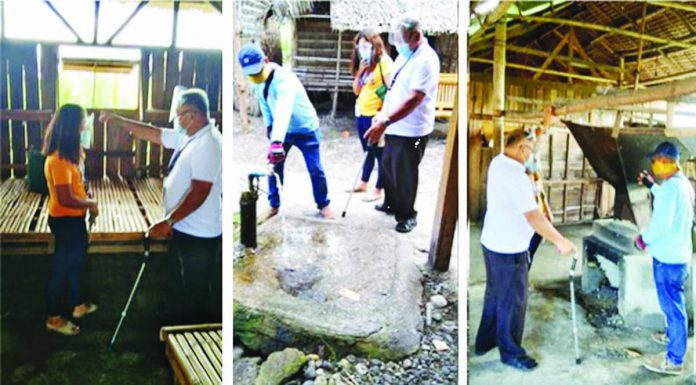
{"points": [[27, 104], [572, 187]]}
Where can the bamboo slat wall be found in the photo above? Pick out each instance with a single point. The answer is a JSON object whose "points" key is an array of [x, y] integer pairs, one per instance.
{"points": [[570, 183], [25, 109]]}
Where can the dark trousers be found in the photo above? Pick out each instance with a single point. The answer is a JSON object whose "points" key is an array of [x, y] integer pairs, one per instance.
{"points": [[68, 262], [533, 246], [373, 152], [505, 303], [402, 155], [195, 279], [669, 281], [309, 146]]}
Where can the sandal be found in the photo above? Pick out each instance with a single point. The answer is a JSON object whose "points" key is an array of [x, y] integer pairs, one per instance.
{"points": [[68, 328], [372, 197], [84, 309]]}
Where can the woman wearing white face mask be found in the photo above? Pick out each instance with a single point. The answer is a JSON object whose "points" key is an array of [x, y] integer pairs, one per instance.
{"points": [[372, 69]]}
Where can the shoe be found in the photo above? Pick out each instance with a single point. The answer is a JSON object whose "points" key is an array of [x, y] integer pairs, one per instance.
{"points": [[662, 365], [84, 309], [406, 226], [375, 195], [327, 213], [660, 338], [384, 208], [524, 363], [65, 327]]}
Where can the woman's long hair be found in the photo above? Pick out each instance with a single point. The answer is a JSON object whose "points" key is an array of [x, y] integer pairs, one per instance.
{"points": [[63, 133], [377, 49]]}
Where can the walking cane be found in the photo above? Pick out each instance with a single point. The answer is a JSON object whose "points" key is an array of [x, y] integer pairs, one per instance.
{"points": [[571, 277], [352, 190], [146, 256]]}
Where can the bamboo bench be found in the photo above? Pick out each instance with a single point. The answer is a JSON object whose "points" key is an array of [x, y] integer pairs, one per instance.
{"points": [[446, 92], [194, 352], [126, 210]]}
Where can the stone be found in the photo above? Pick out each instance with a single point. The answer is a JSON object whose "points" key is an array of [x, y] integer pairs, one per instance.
{"points": [[438, 301], [287, 293], [361, 368], [237, 352], [437, 316], [310, 370], [280, 366], [312, 357], [308, 382], [344, 364], [245, 370], [406, 363]]}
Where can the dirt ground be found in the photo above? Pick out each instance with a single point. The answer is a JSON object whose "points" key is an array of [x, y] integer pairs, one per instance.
{"points": [[607, 352]]}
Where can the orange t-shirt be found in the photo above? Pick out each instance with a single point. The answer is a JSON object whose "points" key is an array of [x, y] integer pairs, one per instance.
{"points": [[58, 172]]}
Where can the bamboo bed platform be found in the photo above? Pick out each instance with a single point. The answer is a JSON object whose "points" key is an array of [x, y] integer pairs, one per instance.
{"points": [[194, 352], [126, 210]]}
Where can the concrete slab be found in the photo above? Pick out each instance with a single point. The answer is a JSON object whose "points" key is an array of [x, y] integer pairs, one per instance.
{"points": [[315, 282]]}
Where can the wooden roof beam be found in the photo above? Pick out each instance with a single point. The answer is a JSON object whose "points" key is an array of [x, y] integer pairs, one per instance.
{"points": [[666, 91], [604, 28], [137, 9], [578, 47], [551, 57], [674, 4], [546, 71], [576, 62], [63, 20], [600, 39], [492, 18]]}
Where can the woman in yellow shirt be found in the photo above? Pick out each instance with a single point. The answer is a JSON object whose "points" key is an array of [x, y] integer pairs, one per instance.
{"points": [[372, 71], [67, 205]]}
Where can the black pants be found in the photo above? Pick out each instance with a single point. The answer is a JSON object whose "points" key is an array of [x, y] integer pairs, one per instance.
{"points": [[400, 161], [533, 246], [505, 303], [67, 263], [194, 292]]}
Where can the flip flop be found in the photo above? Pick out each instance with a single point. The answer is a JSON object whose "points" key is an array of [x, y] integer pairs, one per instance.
{"points": [[67, 329], [91, 308]]}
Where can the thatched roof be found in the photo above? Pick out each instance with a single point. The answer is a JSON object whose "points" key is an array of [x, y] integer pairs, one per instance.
{"points": [[436, 16], [668, 47]]}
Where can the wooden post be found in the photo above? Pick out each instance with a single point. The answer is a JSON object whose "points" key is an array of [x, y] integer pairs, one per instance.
{"points": [[498, 94], [239, 82], [670, 114], [447, 202], [338, 73]]}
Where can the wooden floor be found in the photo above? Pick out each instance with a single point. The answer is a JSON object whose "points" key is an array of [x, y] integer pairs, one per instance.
{"points": [[126, 210], [195, 353]]}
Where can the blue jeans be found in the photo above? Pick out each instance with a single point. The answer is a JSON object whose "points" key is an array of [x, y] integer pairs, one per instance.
{"points": [[374, 152], [670, 280], [309, 145], [68, 261]]}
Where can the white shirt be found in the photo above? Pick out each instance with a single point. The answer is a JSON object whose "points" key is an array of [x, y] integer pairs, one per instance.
{"points": [[419, 73], [509, 195], [200, 158]]}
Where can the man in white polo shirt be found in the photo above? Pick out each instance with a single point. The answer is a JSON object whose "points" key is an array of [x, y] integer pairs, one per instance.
{"points": [[407, 118], [512, 217], [192, 205]]}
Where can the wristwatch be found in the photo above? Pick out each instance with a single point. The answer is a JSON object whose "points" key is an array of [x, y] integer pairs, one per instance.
{"points": [[387, 122], [170, 221]]}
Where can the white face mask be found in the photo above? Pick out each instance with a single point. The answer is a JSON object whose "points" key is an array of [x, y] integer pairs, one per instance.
{"points": [[178, 128], [87, 133]]}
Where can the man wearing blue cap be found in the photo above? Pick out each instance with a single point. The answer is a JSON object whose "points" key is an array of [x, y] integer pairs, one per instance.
{"points": [[669, 240], [291, 120]]}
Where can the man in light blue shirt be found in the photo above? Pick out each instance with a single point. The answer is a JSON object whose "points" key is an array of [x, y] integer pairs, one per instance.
{"points": [[668, 239], [290, 119]]}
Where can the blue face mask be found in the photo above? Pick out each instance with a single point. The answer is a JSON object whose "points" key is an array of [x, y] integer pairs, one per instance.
{"points": [[87, 133], [531, 164], [404, 50], [365, 54]]}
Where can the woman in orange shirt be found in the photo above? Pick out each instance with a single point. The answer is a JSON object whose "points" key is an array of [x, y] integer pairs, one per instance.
{"points": [[67, 205]]}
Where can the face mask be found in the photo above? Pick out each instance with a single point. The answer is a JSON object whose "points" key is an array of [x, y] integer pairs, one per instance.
{"points": [[404, 50], [88, 132], [178, 128], [260, 77], [365, 54], [531, 164], [662, 169]]}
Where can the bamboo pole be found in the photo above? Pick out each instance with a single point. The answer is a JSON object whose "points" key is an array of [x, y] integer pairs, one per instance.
{"points": [[547, 71], [338, 74], [662, 92], [550, 58], [498, 94], [240, 86], [674, 4], [604, 28], [636, 80], [579, 63], [491, 20]]}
